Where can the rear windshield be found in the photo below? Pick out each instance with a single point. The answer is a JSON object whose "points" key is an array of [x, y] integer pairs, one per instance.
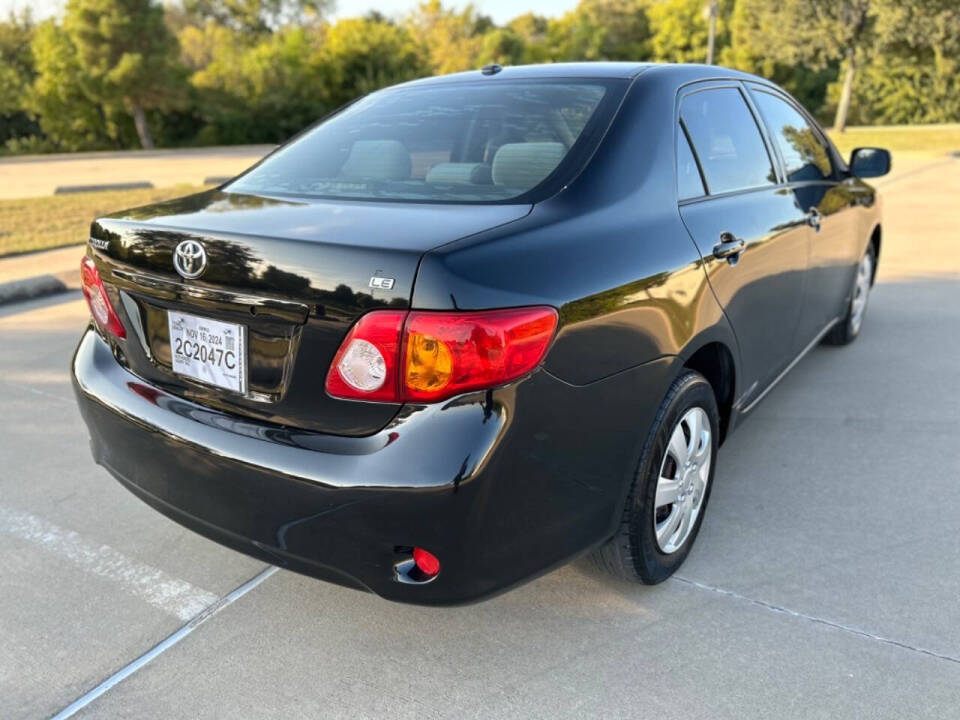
{"points": [[491, 141]]}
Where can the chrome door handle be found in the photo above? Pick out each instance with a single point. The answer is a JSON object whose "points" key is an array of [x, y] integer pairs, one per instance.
{"points": [[814, 218], [729, 248]]}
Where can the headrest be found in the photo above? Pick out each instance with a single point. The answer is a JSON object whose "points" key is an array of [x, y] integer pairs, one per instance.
{"points": [[459, 174], [523, 165], [377, 160]]}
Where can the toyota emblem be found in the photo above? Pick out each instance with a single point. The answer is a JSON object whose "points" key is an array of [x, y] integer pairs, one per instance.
{"points": [[190, 259]]}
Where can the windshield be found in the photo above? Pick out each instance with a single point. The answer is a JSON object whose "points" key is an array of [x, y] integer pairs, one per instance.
{"points": [[464, 142]]}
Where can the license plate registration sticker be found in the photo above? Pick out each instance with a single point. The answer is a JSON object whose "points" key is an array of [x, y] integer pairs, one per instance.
{"points": [[209, 351]]}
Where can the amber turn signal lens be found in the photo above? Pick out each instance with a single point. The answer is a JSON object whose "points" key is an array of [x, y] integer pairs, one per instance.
{"points": [[449, 353], [429, 363]]}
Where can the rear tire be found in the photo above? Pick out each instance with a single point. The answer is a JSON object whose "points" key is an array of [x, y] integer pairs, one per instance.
{"points": [[848, 327], [671, 487]]}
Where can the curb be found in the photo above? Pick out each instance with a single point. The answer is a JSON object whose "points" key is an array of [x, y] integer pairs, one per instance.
{"points": [[105, 187], [31, 288]]}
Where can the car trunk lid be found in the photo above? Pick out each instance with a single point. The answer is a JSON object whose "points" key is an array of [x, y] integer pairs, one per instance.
{"points": [[293, 274]]}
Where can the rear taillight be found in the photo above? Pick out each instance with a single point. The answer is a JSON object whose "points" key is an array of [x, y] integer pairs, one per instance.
{"points": [[98, 300], [426, 356]]}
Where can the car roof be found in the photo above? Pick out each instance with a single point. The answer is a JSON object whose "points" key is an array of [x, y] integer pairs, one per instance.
{"points": [[684, 72]]}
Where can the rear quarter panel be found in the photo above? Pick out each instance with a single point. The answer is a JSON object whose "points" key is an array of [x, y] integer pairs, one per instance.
{"points": [[610, 252]]}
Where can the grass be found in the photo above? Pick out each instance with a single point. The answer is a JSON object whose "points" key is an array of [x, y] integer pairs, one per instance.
{"points": [[48, 222], [929, 139]]}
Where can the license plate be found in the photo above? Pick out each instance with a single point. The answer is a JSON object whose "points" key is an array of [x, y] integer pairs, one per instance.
{"points": [[209, 351]]}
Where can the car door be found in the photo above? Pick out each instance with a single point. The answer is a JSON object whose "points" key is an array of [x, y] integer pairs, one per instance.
{"points": [[749, 230], [812, 177]]}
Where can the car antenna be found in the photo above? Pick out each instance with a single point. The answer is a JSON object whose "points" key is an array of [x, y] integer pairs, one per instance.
{"points": [[491, 69]]}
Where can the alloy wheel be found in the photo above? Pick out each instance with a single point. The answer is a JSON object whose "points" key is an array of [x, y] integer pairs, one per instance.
{"points": [[682, 482], [861, 291]]}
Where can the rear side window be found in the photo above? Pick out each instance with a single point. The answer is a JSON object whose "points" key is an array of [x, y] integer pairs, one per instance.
{"points": [[689, 184], [805, 155], [488, 141], [726, 140]]}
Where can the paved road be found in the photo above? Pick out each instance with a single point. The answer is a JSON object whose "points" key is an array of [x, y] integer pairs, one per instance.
{"points": [[63, 263], [824, 584], [38, 175]]}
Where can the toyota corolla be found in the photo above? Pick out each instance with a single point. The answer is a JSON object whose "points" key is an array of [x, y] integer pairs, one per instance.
{"points": [[471, 327]]}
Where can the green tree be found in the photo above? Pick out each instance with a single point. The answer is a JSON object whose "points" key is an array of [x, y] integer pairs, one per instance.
{"points": [[16, 75], [816, 33], [752, 19], [453, 39], [844, 31], [601, 30], [68, 117], [267, 87], [680, 30], [257, 16], [127, 55], [263, 91], [16, 61], [359, 56], [532, 31], [501, 45], [914, 74]]}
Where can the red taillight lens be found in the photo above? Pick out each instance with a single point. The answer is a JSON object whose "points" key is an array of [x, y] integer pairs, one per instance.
{"points": [[429, 356], [445, 354], [97, 299]]}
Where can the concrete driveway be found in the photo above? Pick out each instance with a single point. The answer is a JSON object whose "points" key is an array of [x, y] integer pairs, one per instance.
{"points": [[824, 584]]}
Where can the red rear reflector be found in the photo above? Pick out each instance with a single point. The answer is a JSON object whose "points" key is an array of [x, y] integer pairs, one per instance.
{"points": [[426, 562], [97, 299], [427, 356]]}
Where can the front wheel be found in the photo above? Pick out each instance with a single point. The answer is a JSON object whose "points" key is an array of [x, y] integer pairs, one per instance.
{"points": [[671, 488], [848, 327]]}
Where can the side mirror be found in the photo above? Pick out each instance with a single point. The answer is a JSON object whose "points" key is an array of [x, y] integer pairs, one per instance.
{"points": [[869, 162]]}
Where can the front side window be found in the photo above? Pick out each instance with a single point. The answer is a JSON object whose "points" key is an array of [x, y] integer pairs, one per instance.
{"points": [[805, 154], [726, 140], [467, 142]]}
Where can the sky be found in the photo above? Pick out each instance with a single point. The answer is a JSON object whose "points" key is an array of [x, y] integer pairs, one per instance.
{"points": [[500, 10]]}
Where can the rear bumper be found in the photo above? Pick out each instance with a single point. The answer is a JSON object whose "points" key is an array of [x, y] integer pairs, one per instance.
{"points": [[501, 486]]}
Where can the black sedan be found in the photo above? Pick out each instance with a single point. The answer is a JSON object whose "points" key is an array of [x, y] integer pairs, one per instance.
{"points": [[473, 326]]}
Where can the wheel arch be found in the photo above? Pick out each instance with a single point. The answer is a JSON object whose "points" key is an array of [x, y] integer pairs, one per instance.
{"points": [[715, 360]]}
